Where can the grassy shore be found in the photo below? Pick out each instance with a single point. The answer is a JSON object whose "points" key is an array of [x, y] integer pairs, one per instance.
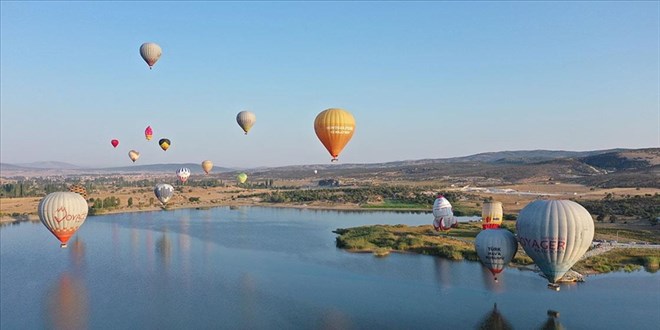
{"points": [[458, 244]]}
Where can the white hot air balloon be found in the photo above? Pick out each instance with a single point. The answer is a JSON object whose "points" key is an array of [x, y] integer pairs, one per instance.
{"points": [[246, 120], [495, 248], [442, 214], [150, 53], [163, 192], [555, 234], [63, 213], [183, 174]]}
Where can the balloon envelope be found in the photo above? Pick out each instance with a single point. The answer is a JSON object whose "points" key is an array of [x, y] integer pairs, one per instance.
{"points": [[242, 178], [78, 189], [163, 192], [555, 234], [114, 143], [491, 215], [442, 214], [63, 213], [495, 248], [148, 133], [246, 120], [334, 127], [183, 174], [164, 144], [207, 165], [133, 155], [150, 53]]}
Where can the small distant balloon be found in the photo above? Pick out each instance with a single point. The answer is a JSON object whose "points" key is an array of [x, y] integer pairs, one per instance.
{"points": [[164, 144], [133, 155], [246, 120], [63, 213], [183, 174], [443, 216], [316, 171], [241, 178], [114, 143], [334, 127], [150, 53], [207, 165], [78, 189], [148, 133], [163, 192], [491, 215]]}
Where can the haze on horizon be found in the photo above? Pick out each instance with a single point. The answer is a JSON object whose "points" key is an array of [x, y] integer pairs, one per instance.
{"points": [[422, 79]]}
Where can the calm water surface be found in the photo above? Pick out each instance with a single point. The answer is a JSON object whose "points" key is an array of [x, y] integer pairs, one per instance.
{"points": [[258, 268]]}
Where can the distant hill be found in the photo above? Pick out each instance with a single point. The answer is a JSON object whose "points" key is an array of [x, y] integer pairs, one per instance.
{"points": [[602, 168], [50, 165]]}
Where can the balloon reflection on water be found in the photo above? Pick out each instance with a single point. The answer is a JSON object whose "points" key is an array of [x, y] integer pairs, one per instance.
{"points": [[494, 320], [66, 304]]}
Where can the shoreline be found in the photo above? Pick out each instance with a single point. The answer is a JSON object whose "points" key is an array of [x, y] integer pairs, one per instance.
{"points": [[339, 207]]}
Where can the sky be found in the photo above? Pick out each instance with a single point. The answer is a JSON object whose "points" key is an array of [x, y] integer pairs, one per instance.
{"points": [[422, 79]]}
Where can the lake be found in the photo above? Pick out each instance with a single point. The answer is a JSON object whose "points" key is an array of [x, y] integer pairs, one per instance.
{"points": [[278, 268]]}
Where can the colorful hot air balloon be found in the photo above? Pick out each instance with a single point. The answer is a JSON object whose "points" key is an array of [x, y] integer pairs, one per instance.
{"points": [[150, 53], [241, 178], [183, 174], [442, 214], [133, 155], [63, 213], [246, 119], [334, 127], [164, 143], [163, 192], [555, 234], [495, 249], [207, 165], [148, 133], [491, 215], [78, 189], [114, 143]]}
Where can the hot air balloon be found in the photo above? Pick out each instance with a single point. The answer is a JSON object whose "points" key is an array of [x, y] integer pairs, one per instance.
{"points": [[555, 234], [495, 249], [241, 178], [334, 127], [78, 189], [164, 143], [491, 215], [163, 192], [150, 53], [495, 320], [148, 133], [133, 155], [443, 215], [207, 165], [246, 119], [63, 213], [183, 174], [114, 143]]}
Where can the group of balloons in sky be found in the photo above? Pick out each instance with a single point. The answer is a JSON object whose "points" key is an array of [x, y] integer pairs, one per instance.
{"points": [[554, 233], [334, 127]]}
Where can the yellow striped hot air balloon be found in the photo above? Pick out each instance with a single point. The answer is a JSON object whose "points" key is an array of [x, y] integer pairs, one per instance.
{"points": [[164, 143], [334, 127], [242, 178]]}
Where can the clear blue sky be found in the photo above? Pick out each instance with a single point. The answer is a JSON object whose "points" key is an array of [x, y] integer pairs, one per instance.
{"points": [[423, 79]]}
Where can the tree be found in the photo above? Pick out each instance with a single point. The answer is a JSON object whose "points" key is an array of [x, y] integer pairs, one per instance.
{"points": [[130, 201]]}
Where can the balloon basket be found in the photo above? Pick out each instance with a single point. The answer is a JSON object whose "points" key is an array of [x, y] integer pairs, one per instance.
{"points": [[63, 246], [553, 286]]}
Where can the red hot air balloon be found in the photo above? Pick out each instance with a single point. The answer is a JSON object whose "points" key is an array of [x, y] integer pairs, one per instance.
{"points": [[148, 133], [114, 143]]}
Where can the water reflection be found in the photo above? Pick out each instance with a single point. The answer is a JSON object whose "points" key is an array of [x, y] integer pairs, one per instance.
{"points": [[552, 324], [67, 305], [164, 250], [494, 320], [443, 272], [77, 254]]}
